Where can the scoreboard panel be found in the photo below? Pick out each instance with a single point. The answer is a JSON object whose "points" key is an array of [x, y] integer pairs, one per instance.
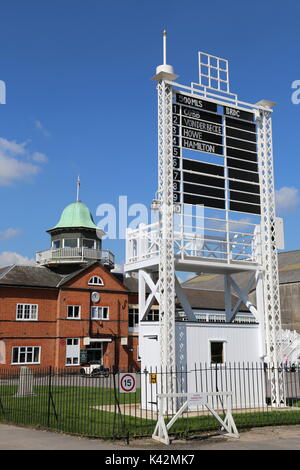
{"points": [[232, 183]]}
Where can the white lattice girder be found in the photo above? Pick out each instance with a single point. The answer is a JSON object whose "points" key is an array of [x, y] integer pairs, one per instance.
{"points": [[166, 243], [269, 255]]}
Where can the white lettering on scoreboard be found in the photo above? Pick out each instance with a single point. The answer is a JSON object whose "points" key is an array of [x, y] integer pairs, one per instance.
{"points": [[202, 125], [200, 146]]}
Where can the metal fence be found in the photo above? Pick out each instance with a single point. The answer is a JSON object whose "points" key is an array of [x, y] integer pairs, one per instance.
{"points": [[93, 406]]}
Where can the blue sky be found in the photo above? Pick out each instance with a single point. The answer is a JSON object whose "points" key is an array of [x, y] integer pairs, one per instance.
{"points": [[80, 100]]}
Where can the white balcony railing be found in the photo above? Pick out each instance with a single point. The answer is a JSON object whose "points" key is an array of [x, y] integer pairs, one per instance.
{"points": [[221, 318], [73, 255], [231, 247]]}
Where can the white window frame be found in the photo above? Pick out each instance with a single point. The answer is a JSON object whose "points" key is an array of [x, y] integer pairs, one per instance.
{"points": [[73, 352], [92, 283], [31, 318], [150, 315], [55, 247], [134, 313], [72, 317], [26, 352], [99, 309]]}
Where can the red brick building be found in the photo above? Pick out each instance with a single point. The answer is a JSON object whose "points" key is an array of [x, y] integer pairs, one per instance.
{"points": [[71, 309]]}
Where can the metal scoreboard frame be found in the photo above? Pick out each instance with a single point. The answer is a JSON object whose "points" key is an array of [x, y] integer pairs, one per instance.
{"points": [[232, 184], [215, 151]]}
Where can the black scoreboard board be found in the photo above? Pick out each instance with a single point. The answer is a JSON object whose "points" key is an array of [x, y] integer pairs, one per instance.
{"points": [[230, 135]]}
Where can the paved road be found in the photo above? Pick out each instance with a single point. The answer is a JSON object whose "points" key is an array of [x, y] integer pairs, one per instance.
{"points": [[268, 438]]}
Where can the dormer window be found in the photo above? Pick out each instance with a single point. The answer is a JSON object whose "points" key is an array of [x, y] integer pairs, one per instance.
{"points": [[96, 281]]}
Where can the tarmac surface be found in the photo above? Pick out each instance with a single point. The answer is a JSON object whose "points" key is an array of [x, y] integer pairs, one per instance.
{"points": [[265, 438]]}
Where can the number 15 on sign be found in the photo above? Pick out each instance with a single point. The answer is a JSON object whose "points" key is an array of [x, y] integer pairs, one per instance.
{"points": [[127, 383]]}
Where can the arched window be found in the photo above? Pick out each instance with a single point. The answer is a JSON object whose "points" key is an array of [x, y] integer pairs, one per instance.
{"points": [[96, 281]]}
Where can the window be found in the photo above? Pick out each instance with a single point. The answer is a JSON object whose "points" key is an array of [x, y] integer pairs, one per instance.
{"points": [[96, 281], [133, 317], [27, 312], [217, 352], [56, 244], [88, 243], [94, 353], [73, 311], [100, 313], [153, 315], [70, 243], [72, 351], [26, 354]]}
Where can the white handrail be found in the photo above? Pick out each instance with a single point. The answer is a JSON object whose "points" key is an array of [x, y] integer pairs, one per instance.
{"points": [[143, 243]]}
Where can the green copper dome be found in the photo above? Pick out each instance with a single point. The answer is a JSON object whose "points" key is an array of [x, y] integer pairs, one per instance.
{"points": [[76, 215]]}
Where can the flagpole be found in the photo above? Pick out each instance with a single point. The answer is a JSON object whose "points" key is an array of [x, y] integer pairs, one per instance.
{"points": [[78, 188]]}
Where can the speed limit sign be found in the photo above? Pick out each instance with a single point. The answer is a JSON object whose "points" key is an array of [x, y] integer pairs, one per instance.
{"points": [[127, 382]]}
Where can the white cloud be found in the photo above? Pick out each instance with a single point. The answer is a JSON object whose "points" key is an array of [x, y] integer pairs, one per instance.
{"points": [[8, 258], [9, 233], [39, 157], [12, 147], [12, 169], [39, 126], [287, 199], [13, 166]]}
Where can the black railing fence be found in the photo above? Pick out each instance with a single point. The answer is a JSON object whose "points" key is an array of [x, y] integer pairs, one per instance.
{"points": [[94, 406]]}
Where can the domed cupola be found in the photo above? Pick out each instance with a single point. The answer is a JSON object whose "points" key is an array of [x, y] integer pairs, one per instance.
{"points": [[75, 241], [75, 215]]}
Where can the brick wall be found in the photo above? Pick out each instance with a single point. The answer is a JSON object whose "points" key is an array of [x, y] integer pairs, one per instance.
{"points": [[52, 329]]}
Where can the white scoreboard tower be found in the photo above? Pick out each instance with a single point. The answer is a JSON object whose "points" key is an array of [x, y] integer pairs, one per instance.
{"points": [[216, 207]]}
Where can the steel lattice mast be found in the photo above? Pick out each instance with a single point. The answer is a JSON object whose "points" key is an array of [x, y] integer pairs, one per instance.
{"points": [[166, 246], [272, 317], [166, 241]]}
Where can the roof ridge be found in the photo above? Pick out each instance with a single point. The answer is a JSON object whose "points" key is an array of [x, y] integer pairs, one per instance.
{"points": [[6, 271], [67, 277], [209, 290]]}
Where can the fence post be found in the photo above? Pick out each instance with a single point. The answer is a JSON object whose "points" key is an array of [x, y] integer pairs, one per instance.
{"points": [[117, 405], [49, 396]]}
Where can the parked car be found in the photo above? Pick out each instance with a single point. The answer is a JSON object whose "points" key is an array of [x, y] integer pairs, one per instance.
{"points": [[290, 367], [94, 369]]}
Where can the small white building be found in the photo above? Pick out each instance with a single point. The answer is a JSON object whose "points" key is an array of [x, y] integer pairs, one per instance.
{"points": [[211, 354], [230, 361]]}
